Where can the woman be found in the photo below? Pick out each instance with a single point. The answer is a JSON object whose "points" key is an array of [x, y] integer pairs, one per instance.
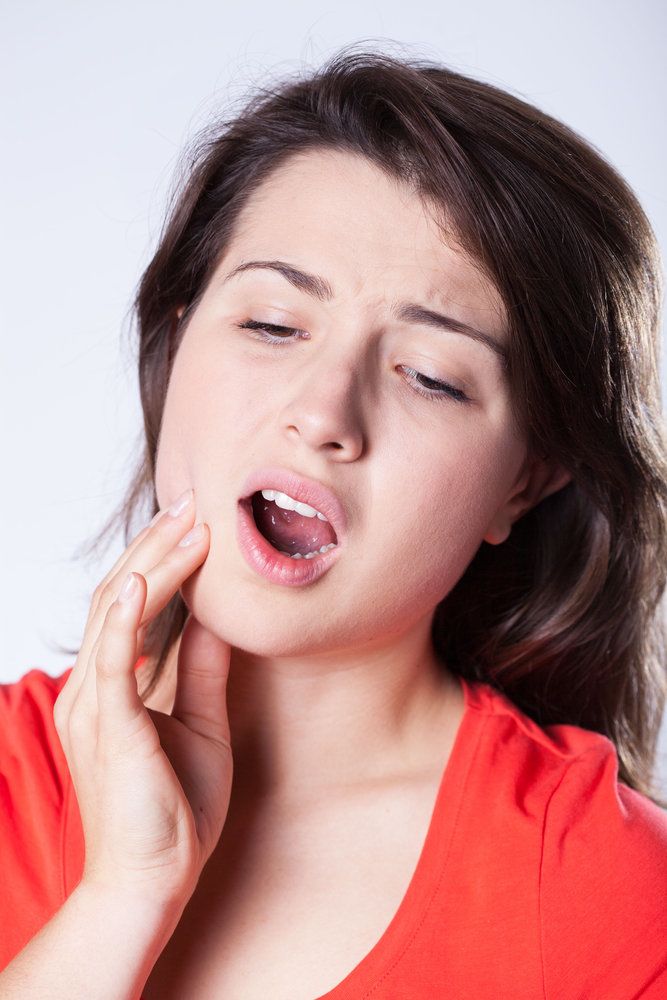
{"points": [[398, 741]]}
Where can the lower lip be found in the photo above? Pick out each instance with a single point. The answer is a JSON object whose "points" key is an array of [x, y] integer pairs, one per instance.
{"points": [[271, 564]]}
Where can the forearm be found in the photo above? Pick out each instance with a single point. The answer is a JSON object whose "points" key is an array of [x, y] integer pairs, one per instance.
{"points": [[95, 947]]}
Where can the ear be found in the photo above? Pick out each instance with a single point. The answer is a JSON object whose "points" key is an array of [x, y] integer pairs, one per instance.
{"points": [[539, 480], [179, 311]]}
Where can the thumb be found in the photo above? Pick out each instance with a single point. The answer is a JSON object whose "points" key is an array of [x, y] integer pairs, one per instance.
{"points": [[200, 702]]}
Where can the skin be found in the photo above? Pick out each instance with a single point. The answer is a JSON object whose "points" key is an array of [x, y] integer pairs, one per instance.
{"points": [[337, 684]]}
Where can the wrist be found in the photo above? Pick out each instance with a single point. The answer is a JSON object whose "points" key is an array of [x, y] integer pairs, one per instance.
{"points": [[150, 917]]}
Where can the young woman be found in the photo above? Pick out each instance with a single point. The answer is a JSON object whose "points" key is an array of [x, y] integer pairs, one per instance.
{"points": [[393, 724]]}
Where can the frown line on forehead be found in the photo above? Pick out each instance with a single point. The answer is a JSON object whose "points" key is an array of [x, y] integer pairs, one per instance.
{"points": [[409, 312]]}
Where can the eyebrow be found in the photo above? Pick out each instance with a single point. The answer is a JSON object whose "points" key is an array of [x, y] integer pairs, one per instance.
{"points": [[410, 312]]}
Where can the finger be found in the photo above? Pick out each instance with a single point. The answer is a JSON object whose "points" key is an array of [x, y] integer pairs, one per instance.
{"points": [[106, 592], [162, 582], [91, 632], [148, 548], [163, 520], [124, 558], [84, 701], [121, 713], [167, 576], [201, 682]]}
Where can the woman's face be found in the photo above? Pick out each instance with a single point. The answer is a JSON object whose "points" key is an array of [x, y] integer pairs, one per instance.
{"points": [[424, 478]]}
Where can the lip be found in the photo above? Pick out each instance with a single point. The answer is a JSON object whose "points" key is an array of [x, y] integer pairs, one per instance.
{"points": [[300, 488], [268, 562]]}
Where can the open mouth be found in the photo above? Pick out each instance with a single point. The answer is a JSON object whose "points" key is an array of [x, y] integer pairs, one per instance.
{"points": [[288, 531]]}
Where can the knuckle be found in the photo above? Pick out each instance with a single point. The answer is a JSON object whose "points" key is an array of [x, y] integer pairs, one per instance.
{"points": [[79, 724], [108, 593], [105, 661], [112, 619], [61, 712]]}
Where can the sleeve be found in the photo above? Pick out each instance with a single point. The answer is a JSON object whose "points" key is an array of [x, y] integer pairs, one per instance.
{"points": [[603, 886], [33, 777]]}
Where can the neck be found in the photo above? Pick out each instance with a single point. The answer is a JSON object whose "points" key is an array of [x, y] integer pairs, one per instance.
{"points": [[303, 727]]}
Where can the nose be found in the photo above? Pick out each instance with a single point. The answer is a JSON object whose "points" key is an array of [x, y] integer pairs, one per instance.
{"points": [[325, 409]]}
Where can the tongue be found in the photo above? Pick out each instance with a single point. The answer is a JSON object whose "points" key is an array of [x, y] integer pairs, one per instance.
{"points": [[289, 531]]}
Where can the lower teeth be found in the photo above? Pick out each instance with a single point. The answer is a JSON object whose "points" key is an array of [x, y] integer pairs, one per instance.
{"points": [[309, 555]]}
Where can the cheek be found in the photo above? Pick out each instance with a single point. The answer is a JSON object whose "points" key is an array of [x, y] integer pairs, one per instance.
{"points": [[415, 560], [202, 422], [173, 472], [434, 523]]}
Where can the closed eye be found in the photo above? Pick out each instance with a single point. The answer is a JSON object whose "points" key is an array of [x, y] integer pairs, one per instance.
{"points": [[439, 391], [270, 328], [442, 388]]}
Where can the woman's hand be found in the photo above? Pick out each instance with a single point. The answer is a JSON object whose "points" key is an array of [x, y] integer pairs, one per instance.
{"points": [[153, 789]]}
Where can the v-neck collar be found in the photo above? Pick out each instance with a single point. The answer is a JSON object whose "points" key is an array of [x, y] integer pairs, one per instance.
{"points": [[432, 863]]}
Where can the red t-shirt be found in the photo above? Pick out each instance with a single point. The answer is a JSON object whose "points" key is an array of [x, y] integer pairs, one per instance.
{"points": [[541, 875]]}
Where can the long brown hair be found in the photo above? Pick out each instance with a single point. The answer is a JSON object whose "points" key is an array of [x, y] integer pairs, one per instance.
{"points": [[567, 617]]}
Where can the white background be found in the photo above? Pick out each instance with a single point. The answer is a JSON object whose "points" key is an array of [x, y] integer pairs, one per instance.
{"points": [[97, 101]]}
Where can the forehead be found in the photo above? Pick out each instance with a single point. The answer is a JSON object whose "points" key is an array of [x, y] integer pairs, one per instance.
{"points": [[341, 216]]}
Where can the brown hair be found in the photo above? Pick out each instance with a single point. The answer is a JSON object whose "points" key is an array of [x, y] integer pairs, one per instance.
{"points": [[566, 617]]}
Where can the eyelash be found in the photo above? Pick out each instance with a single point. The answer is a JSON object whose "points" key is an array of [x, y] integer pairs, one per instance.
{"points": [[444, 393]]}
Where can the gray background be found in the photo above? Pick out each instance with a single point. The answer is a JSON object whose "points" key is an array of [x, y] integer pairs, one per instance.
{"points": [[98, 100]]}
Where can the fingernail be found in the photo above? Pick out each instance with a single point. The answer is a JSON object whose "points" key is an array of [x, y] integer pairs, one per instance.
{"points": [[193, 535], [129, 588], [179, 505]]}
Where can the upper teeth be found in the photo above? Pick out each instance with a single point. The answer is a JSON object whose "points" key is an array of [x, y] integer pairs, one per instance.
{"points": [[288, 503]]}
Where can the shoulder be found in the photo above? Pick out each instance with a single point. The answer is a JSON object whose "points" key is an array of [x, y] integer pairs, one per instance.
{"points": [[601, 858], [603, 882], [27, 730], [33, 795]]}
